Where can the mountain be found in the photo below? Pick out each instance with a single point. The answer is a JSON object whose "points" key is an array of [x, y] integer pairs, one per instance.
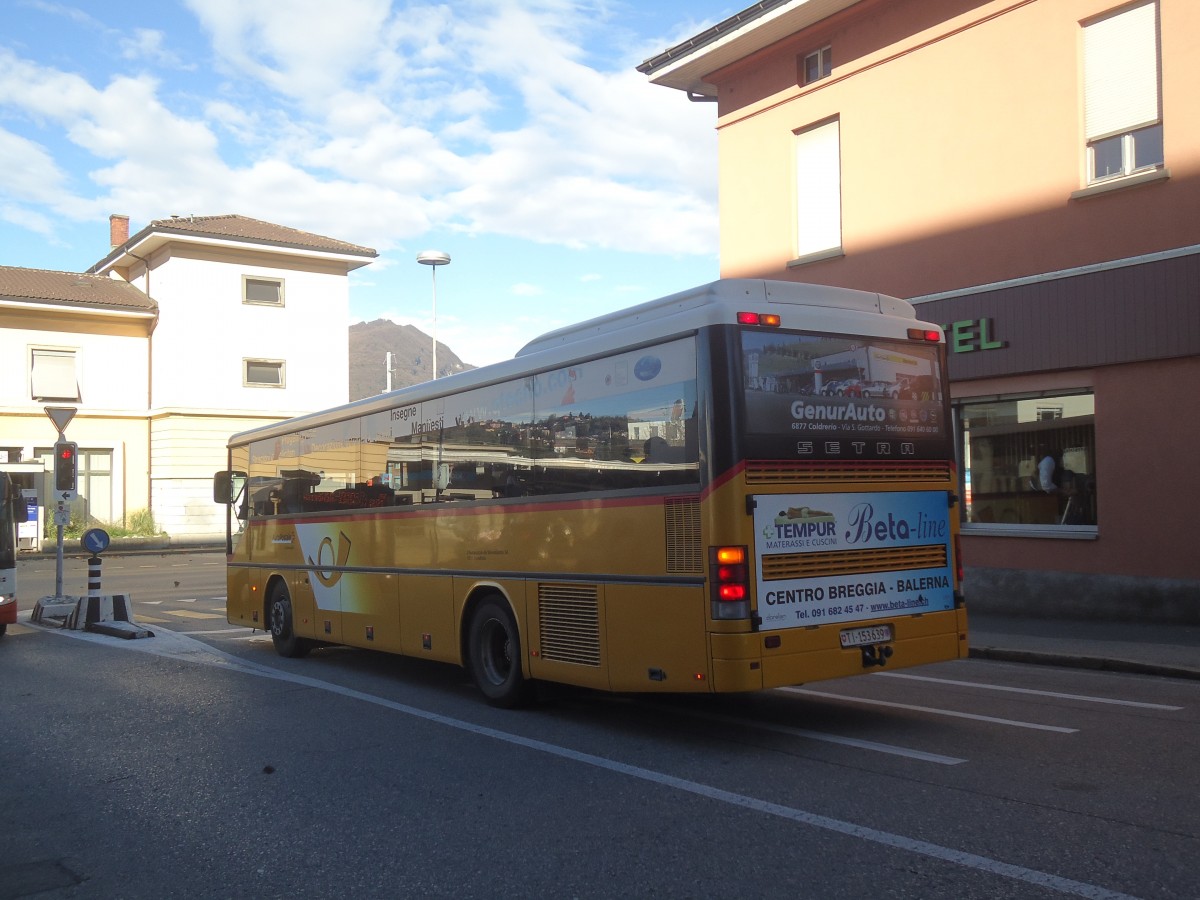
{"points": [[412, 362]]}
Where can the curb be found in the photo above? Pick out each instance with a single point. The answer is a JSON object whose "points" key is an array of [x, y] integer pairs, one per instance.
{"points": [[1076, 661]]}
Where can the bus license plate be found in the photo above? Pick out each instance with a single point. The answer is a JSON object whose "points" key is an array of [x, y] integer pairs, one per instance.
{"points": [[857, 637]]}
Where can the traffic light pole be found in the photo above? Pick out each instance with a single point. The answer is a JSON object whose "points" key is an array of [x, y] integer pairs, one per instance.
{"points": [[58, 556], [66, 455]]}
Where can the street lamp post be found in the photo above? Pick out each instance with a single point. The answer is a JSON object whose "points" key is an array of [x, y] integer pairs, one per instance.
{"points": [[433, 259]]}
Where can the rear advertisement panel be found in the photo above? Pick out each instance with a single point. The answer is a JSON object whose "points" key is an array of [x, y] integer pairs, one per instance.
{"points": [[835, 397], [902, 538]]}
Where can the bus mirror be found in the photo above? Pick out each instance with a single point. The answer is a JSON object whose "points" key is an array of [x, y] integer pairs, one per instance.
{"points": [[228, 486], [20, 511]]}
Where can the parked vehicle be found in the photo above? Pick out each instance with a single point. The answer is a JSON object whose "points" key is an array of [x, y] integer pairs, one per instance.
{"points": [[880, 389]]}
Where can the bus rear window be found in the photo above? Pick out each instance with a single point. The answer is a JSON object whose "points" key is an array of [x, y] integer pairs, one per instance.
{"points": [[835, 397]]}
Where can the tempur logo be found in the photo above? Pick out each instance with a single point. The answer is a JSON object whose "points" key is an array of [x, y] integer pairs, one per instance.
{"points": [[798, 527]]}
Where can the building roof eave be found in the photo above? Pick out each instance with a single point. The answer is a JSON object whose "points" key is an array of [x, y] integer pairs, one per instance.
{"points": [[686, 66], [160, 233], [62, 306]]}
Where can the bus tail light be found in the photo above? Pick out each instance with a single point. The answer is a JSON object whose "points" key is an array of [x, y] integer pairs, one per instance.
{"points": [[752, 318], [924, 334], [729, 578]]}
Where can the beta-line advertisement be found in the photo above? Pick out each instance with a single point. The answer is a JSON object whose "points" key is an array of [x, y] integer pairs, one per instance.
{"points": [[786, 524]]}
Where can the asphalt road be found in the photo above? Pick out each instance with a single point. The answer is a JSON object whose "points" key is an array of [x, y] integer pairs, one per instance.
{"points": [[199, 764]]}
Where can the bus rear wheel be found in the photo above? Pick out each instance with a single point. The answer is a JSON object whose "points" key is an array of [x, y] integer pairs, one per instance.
{"points": [[494, 655], [283, 634]]}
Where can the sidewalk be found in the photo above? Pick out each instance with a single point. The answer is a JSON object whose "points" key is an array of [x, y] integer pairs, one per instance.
{"points": [[1172, 651]]}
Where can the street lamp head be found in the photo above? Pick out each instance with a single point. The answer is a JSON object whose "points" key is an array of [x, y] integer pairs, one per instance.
{"points": [[433, 258]]}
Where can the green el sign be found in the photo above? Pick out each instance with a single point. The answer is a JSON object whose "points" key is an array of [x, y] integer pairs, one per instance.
{"points": [[970, 335]]}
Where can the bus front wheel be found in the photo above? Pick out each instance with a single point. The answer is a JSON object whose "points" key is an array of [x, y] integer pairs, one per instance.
{"points": [[494, 654], [283, 634]]}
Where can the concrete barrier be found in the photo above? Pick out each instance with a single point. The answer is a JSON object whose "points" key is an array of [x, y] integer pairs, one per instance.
{"points": [[100, 608], [110, 614]]}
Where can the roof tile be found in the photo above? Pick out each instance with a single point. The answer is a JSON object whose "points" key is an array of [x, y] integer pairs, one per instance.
{"points": [[235, 226], [71, 289]]}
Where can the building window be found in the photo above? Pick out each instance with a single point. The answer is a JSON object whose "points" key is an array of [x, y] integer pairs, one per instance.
{"points": [[52, 374], [93, 502], [1029, 461], [262, 373], [818, 65], [262, 291], [818, 190], [1121, 94]]}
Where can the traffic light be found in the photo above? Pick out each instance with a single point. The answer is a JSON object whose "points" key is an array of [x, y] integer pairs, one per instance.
{"points": [[66, 454]]}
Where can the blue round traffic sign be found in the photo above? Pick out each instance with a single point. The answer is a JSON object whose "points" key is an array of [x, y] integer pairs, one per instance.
{"points": [[95, 540]]}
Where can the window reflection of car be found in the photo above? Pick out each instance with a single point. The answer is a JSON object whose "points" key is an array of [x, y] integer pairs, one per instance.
{"points": [[830, 388], [851, 387], [880, 389]]}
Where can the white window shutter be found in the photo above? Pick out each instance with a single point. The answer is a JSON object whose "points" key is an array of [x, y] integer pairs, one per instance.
{"points": [[53, 375], [1120, 64], [818, 189]]}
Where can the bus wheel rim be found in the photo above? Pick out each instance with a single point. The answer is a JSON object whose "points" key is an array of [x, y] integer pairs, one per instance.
{"points": [[497, 652]]}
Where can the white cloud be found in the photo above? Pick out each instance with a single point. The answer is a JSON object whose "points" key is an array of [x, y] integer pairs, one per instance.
{"points": [[148, 44], [28, 172], [382, 122]]}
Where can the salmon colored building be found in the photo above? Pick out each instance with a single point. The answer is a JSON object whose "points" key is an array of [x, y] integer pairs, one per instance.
{"points": [[1028, 173]]}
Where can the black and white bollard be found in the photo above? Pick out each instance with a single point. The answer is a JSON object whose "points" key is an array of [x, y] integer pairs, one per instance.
{"points": [[94, 576]]}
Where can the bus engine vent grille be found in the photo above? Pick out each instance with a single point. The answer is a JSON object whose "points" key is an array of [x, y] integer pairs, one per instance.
{"points": [[569, 621], [935, 472], [685, 556], [850, 562]]}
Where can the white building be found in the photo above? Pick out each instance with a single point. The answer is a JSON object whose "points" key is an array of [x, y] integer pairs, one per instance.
{"points": [[188, 331]]}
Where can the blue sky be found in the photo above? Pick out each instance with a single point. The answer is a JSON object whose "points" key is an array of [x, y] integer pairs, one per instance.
{"points": [[515, 135]]}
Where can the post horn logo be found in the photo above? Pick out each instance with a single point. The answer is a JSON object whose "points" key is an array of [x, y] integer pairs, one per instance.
{"points": [[321, 567]]}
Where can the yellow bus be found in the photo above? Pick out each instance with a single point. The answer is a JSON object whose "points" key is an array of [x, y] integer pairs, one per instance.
{"points": [[696, 494]]}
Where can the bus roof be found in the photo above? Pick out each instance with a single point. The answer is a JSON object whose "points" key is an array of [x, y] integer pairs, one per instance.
{"points": [[710, 304], [715, 303]]}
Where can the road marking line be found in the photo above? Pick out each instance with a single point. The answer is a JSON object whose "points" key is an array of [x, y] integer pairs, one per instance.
{"points": [[190, 614], [819, 736], [151, 620], [190, 649], [218, 631], [929, 709], [1017, 690]]}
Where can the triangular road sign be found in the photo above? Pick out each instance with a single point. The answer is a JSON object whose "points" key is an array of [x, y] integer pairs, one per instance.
{"points": [[61, 416]]}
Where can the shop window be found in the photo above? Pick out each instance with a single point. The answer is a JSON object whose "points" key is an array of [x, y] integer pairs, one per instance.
{"points": [[1029, 461]]}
